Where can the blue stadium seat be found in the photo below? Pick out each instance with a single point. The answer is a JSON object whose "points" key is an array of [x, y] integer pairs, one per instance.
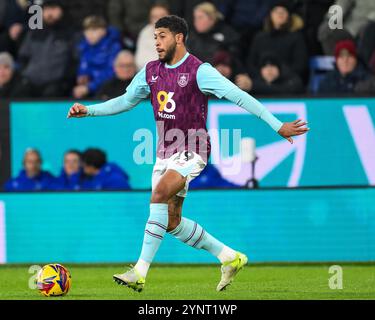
{"points": [[319, 65]]}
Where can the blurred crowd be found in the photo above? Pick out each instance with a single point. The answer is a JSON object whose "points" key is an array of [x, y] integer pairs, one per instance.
{"points": [[89, 171], [93, 49], [80, 171]]}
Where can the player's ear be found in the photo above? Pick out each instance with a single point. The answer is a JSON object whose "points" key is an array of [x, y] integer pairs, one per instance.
{"points": [[179, 38]]}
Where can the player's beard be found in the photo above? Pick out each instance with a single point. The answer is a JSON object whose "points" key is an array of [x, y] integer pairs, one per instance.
{"points": [[169, 54]]}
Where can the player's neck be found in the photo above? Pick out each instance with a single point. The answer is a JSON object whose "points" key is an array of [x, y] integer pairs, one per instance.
{"points": [[177, 57]]}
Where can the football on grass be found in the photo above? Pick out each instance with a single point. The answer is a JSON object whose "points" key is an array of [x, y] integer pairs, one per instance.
{"points": [[53, 280]]}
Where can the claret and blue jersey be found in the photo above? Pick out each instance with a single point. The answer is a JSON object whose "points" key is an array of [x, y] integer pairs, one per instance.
{"points": [[179, 97]]}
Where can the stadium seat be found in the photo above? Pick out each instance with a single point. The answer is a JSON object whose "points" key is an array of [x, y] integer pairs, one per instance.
{"points": [[319, 65]]}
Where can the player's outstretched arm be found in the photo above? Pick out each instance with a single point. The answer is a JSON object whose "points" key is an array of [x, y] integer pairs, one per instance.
{"points": [[212, 82], [110, 107], [287, 130], [137, 90]]}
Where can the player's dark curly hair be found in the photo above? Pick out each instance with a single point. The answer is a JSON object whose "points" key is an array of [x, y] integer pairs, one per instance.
{"points": [[175, 24]]}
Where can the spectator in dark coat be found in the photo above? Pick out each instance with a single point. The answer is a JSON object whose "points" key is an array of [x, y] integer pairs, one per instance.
{"points": [[366, 87], [275, 78], [97, 50], [210, 177], [185, 8], [129, 16], [45, 55], [11, 84], [211, 34], [125, 70], [71, 174], [32, 177], [282, 36], [78, 10], [101, 175], [312, 12], [230, 69], [12, 24], [237, 14], [366, 46], [348, 74]]}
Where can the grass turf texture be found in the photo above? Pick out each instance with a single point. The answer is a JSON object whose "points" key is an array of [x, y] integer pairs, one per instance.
{"points": [[199, 283]]}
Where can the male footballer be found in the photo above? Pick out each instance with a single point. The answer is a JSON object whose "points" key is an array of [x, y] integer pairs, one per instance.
{"points": [[178, 85]]}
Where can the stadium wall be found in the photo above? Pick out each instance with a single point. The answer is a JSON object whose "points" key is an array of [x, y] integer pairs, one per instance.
{"points": [[4, 142], [339, 150], [272, 225]]}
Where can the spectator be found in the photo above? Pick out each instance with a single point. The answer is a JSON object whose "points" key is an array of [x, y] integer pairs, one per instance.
{"points": [[237, 14], [312, 12], [211, 34], [71, 174], [210, 177], [356, 14], [78, 10], [366, 46], [101, 175], [12, 24], [366, 87], [348, 74], [125, 70], [45, 55], [275, 78], [228, 67], [97, 50], [281, 35], [146, 44], [11, 85], [129, 16], [31, 178], [184, 8]]}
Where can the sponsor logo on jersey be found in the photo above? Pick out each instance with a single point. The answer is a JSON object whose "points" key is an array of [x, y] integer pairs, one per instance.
{"points": [[166, 105]]}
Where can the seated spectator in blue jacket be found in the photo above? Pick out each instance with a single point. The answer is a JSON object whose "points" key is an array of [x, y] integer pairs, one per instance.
{"points": [[97, 52], [349, 73], [32, 177], [210, 177], [71, 173], [101, 175]]}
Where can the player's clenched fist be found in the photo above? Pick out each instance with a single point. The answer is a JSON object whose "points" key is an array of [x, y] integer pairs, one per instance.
{"points": [[77, 111]]}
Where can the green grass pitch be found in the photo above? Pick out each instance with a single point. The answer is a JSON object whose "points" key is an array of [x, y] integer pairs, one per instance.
{"points": [[198, 282]]}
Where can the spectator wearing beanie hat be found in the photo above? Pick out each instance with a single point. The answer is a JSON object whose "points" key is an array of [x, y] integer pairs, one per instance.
{"points": [[348, 73]]}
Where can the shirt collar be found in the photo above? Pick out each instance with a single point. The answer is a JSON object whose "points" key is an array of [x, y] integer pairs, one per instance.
{"points": [[178, 63]]}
